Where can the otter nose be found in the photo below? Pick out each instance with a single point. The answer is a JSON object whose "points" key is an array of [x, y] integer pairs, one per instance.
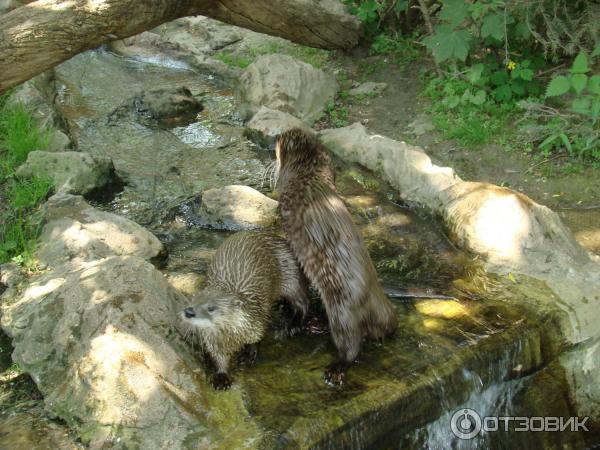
{"points": [[189, 312]]}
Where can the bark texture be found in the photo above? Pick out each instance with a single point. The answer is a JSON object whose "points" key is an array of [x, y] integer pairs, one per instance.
{"points": [[44, 33]]}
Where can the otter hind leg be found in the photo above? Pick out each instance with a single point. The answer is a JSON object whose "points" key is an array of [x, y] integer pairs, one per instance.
{"points": [[347, 336]]}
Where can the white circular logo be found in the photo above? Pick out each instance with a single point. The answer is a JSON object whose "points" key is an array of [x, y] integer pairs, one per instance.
{"points": [[465, 424]]}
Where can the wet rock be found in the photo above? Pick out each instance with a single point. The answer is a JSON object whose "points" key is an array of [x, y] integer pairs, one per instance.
{"points": [[367, 89], [284, 83], [268, 123], [167, 104], [70, 172], [95, 333], [238, 208], [77, 232]]}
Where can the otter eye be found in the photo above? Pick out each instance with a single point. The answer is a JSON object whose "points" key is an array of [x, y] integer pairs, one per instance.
{"points": [[211, 308]]}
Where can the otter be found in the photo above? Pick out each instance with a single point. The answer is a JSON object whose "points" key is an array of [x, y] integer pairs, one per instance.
{"points": [[249, 272], [330, 249]]}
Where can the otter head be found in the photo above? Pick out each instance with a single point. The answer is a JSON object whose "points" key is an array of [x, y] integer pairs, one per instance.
{"points": [[211, 309], [296, 146]]}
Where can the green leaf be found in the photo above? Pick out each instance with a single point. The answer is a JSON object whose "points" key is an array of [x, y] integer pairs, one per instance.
{"points": [[479, 98], [493, 25], [594, 85], [500, 77], [549, 140], [518, 87], [503, 93], [582, 105], [558, 86], [454, 12], [401, 6], [579, 81], [515, 73], [448, 43], [474, 73], [522, 30], [527, 74], [596, 51], [565, 139], [580, 65]]}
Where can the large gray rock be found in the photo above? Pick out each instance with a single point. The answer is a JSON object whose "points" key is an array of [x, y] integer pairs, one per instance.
{"points": [[268, 123], [284, 83], [95, 332], [76, 232], [70, 172], [238, 208]]}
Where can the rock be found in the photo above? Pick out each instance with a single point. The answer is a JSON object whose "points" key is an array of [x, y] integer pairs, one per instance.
{"points": [[367, 89], [167, 104], [8, 5], [33, 96], [284, 83], [70, 172], [58, 142], [95, 333], [405, 167], [268, 123], [95, 341], [76, 232], [238, 208]]}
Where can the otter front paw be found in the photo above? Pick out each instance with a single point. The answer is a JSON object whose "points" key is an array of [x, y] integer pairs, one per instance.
{"points": [[335, 374], [221, 381]]}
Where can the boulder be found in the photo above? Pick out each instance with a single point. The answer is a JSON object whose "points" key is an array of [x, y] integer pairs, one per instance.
{"points": [[96, 334], [238, 208], [70, 172], [76, 232], [58, 142], [268, 123], [164, 104], [284, 83]]}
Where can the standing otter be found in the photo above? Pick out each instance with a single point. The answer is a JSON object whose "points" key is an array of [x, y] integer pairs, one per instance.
{"points": [[330, 249], [249, 272]]}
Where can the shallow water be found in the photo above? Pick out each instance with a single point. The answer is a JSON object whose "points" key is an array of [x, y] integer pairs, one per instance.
{"points": [[398, 392]]}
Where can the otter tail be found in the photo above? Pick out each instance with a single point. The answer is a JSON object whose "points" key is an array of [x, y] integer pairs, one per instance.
{"points": [[381, 317]]}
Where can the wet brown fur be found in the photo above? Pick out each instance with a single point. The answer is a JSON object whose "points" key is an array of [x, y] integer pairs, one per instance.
{"points": [[329, 246], [249, 272]]}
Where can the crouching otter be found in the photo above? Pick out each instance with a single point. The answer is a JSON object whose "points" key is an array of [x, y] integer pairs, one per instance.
{"points": [[330, 249], [249, 272]]}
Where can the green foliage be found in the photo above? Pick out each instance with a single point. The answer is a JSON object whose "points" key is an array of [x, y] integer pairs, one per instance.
{"points": [[234, 60], [466, 114], [585, 89], [19, 228], [19, 135], [337, 114]]}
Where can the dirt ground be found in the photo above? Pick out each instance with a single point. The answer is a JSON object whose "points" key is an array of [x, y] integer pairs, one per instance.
{"points": [[575, 196]]}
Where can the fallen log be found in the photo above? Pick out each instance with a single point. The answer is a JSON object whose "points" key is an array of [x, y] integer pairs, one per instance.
{"points": [[44, 33]]}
